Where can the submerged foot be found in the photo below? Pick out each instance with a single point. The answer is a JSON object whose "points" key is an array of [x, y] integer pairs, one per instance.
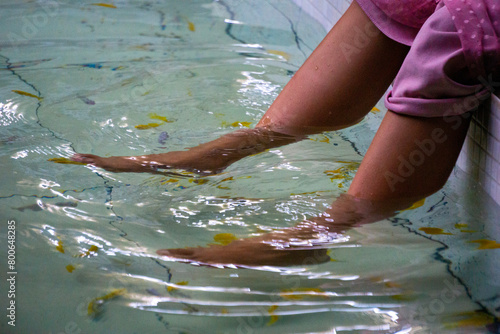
{"points": [[246, 252], [196, 161], [117, 164]]}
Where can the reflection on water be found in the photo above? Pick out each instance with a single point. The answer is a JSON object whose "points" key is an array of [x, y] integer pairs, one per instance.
{"points": [[146, 77]]}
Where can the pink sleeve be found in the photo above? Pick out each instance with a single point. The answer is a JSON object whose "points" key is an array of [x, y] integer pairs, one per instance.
{"points": [[436, 79], [398, 20]]}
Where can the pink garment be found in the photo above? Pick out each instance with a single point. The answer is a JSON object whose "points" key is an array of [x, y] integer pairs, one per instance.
{"points": [[454, 61], [400, 20]]}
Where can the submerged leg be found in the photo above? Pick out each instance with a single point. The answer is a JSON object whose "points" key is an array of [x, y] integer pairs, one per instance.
{"points": [[336, 87]]}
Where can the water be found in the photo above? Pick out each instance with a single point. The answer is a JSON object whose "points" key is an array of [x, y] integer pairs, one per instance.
{"points": [[86, 239]]}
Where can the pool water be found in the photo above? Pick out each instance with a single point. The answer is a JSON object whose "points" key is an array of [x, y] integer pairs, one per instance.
{"points": [[141, 77]]}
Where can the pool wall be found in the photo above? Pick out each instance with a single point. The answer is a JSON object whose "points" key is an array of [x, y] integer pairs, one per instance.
{"points": [[480, 156]]}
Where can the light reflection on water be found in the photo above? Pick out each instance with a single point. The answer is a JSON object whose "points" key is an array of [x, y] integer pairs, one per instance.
{"points": [[105, 74]]}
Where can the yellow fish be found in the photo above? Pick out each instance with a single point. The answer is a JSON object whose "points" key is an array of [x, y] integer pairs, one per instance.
{"points": [[92, 251], [169, 181], [375, 110], [161, 118], [198, 181], [20, 92], [66, 161], [172, 288], [147, 126], [70, 268], [342, 172], [433, 230], [415, 205], [107, 5], [238, 124], [300, 293], [224, 238], [59, 246], [92, 308], [191, 26], [486, 244], [274, 317]]}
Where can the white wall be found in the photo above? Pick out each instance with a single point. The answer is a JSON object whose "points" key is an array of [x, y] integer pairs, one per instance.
{"points": [[480, 156]]}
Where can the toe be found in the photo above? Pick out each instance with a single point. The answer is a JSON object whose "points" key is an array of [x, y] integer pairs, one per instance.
{"points": [[86, 158]]}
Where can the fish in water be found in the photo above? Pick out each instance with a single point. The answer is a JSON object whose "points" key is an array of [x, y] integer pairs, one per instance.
{"points": [[107, 5], [93, 309], [20, 92], [147, 126], [42, 206], [161, 118], [86, 100], [162, 138]]}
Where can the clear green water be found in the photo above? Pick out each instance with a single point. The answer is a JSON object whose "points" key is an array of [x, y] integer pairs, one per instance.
{"points": [[204, 66]]}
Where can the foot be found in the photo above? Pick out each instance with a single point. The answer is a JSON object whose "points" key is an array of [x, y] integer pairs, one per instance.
{"points": [[246, 252], [187, 160], [118, 164]]}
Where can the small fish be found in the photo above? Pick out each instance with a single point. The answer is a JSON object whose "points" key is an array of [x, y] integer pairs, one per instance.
{"points": [[433, 230], [32, 207], [300, 293], [191, 26], [70, 268], [86, 100], [173, 288], [486, 244], [161, 118], [162, 138], [147, 126], [20, 92], [416, 205], [60, 247], [169, 181], [92, 309], [342, 172], [238, 124], [375, 110], [274, 317], [198, 181], [62, 160], [224, 238], [92, 251], [107, 5]]}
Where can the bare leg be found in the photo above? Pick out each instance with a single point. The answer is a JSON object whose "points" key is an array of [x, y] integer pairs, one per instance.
{"points": [[410, 157], [336, 87], [390, 178]]}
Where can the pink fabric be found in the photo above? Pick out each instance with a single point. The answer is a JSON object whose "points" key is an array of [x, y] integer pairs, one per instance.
{"points": [[398, 22], [412, 13], [454, 60], [476, 30]]}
